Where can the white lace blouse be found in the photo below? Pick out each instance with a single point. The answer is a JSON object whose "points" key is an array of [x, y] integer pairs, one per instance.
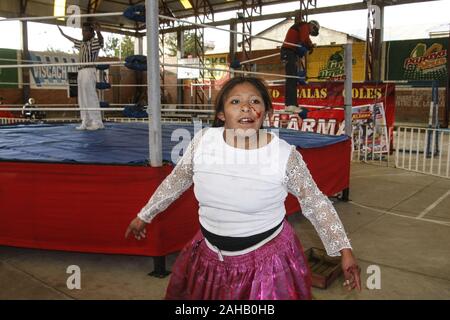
{"points": [[237, 199]]}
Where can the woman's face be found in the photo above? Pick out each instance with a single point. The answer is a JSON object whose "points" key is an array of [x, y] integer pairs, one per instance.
{"points": [[243, 108]]}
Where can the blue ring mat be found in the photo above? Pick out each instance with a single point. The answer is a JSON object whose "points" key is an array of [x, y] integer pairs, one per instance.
{"points": [[119, 143]]}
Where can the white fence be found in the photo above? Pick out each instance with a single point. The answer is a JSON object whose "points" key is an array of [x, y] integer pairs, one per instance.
{"points": [[415, 149], [423, 150]]}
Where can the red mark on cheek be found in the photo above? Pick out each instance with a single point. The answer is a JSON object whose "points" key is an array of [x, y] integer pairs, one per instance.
{"points": [[258, 114]]}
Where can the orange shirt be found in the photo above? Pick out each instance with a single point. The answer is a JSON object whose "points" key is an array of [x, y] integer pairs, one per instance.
{"points": [[299, 34]]}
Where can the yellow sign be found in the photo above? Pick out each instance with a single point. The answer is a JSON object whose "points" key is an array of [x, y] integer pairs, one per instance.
{"points": [[216, 61], [327, 63]]}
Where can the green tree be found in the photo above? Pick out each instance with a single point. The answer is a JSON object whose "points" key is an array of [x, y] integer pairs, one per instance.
{"points": [[170, 42], [119, 47]]}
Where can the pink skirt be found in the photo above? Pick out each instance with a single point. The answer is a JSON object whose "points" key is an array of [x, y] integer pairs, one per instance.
{"points": [[276, 271]]}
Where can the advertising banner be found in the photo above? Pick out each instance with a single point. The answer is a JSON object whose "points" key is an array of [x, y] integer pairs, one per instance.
{"points": [[188, 73], [8, 77], [323, 110], [369, 129], [216, 61], [327, 63], [422, 59], [51, 77]]}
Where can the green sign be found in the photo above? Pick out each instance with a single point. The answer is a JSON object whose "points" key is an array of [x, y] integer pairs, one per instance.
{"points": [[8, 77], [422, 59]]}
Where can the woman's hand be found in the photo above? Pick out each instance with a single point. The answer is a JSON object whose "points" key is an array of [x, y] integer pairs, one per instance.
{"points": [[137, 227], [352, 272]]}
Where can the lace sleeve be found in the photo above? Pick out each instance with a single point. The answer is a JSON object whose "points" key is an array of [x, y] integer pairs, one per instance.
{"points": [[173, 186], [316, 207]]}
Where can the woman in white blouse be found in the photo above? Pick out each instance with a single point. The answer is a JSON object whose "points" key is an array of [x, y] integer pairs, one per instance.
{"points": [[245, 249]]}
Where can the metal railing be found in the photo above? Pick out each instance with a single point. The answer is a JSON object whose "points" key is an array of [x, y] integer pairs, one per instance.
{"points": [[423, 150], [371, 144]]}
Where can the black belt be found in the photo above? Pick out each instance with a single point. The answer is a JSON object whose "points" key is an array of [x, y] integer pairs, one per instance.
{"points": [[237, 243]]}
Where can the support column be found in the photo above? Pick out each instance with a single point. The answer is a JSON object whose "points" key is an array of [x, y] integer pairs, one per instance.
{"points": [[348, 101], [153, 83], [180, 55], [25, 56], [138, 75], [348, 88], [374, 35], [378, 41], [233, 45], [139, 46], [447, 87]]}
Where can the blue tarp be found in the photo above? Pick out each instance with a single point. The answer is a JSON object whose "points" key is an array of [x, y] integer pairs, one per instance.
{"points": [[119, 143]]}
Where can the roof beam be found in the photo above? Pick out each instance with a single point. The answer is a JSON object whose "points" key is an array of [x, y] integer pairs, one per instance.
{"points": [[93, 5], [281, 15]]}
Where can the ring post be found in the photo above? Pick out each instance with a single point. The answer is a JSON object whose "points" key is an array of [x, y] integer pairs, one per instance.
{"points": [[348, 88], [153, 81], [348, 100]]}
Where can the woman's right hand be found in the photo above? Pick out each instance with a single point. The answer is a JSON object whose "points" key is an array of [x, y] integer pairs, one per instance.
{"points": [[137, 227]]}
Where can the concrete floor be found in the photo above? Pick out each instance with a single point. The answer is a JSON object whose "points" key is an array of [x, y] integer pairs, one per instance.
{"points": [[413, 253]]}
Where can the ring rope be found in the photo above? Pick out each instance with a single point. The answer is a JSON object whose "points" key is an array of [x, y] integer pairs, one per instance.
{"points": [[66, 84], [260, 58], [103, 109], [163, 64]]}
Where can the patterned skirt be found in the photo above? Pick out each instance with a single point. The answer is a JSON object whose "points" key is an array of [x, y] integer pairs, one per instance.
{"points": [[278, 270]]}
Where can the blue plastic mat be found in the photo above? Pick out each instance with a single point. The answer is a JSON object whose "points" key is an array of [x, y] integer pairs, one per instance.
{"points": [[119, 143]]}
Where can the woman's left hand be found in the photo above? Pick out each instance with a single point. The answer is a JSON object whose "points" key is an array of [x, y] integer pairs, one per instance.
{"points": [[352, 272]]}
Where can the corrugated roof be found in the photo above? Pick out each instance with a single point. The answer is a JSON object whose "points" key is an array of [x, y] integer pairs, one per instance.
{"points": [[174, 8]]}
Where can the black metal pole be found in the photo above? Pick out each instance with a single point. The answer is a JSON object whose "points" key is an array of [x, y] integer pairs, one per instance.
{"points": [[159, 267], [447, 86]]}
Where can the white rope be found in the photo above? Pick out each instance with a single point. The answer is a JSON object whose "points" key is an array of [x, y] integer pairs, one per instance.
{"points": [[235, 71], [102, 109], [84, 15], [61, 109], [111, 104], [187, 105], [163, 64], [260, 58], [22, 60], [66, 84], [67, 64], [63, 104]]}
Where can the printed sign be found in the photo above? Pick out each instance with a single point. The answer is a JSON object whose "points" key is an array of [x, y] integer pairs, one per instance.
{"points": [[51, 77], [9, 78], [327, 63], [423, 59], [216, 61], [188, 73]]}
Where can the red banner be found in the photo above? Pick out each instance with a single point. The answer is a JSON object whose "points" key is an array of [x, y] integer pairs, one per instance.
{"points": [[332, 95], [324, 113]]}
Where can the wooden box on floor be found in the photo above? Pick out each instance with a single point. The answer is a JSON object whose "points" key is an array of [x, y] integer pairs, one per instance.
{"points": [[324, 269]]}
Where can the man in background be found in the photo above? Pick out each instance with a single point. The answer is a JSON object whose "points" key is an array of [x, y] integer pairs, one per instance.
{"points": [[298, 34], [89, 48]]}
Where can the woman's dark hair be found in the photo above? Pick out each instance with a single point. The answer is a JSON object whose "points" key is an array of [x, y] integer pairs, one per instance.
{"points": [[228, 86]]}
